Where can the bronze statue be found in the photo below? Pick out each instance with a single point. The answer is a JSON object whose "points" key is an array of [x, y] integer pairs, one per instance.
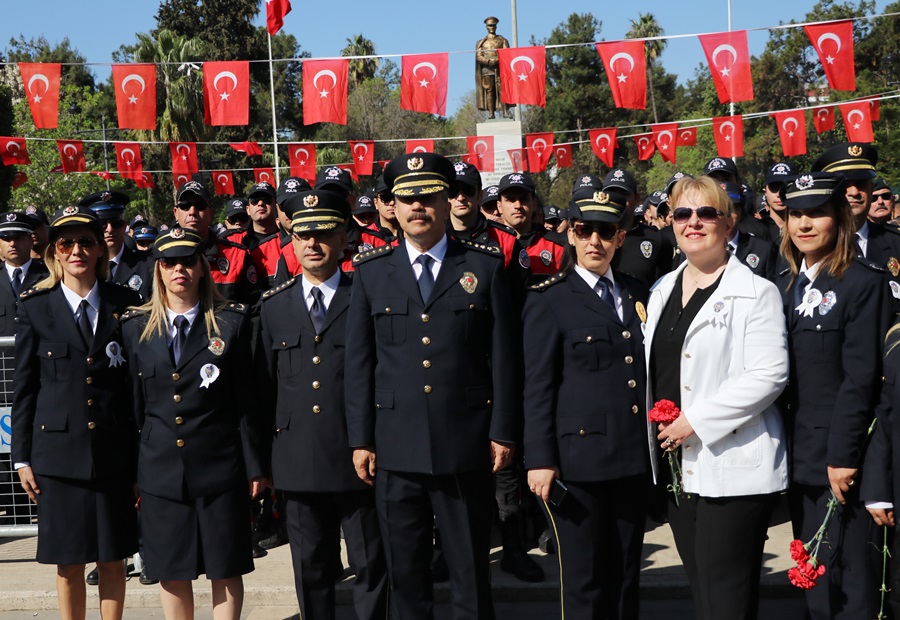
{"points": [[487, 69]]}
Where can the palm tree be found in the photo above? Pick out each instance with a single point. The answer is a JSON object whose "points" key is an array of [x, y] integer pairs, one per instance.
{"points": [[647, 27], [361, 69]]}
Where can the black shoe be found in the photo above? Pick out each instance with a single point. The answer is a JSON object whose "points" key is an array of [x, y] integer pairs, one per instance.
{"points": [[93, 577], [546, 543], [145, 580], [275, 540], [439, 571], [259, 552], [520, 564]]}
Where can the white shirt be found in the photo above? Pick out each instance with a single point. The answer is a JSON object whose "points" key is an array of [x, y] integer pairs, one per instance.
{"points": [[862, 237], [190, 315], [437, 252], [810, 272], [591, 279], [115, 262], [10, 269], [328, 288], [734, 242], [74, 300]]}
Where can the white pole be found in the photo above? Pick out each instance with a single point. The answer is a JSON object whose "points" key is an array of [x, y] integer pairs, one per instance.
{"points": [[731, 105], [515, 43], [274, 124]]}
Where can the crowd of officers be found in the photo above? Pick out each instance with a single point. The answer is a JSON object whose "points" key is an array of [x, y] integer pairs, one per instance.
{"points": [[373, 367]]}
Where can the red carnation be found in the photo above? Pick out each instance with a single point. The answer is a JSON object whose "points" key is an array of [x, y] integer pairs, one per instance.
{"points": [[664, 411], [800, 580], [812, 571], [799, 553]]}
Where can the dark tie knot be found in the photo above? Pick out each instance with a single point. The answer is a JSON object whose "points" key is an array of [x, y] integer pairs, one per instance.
{"points": [[180, 322]]}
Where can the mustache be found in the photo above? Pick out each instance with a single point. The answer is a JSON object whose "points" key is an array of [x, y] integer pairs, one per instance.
{"points": [[418, 215]]}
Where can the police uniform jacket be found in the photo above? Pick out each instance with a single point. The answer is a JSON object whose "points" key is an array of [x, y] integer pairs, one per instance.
{"points": [[204, 439], [233, 271], [136, 272], [422, 383], [881, 482], [883, 248], [8, 301], [759, 255], [585, 381], [835, 369], [644, 254], [72, 414], [303, 384]]}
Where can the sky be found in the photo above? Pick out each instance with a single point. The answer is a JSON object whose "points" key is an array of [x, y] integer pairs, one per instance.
{"points": [[322, 28]]}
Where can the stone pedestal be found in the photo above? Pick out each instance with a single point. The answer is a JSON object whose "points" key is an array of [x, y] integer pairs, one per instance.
{"points": [[507, 134]]}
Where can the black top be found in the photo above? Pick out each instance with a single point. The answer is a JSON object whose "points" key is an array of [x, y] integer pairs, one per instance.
{"points": [[665, 356]]}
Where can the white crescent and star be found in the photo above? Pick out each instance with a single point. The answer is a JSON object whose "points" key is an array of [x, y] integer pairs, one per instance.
{"points": [[561, 151], [823, 113], [643, 142], [726, 71], [180, 177], [365, 150], [134, 77], [234, 84], [522, 76], [722, 130], [328, 73], [788, 121], [852, 113], [600, 137], [622, 56], [127, 161], [305, 152], [40, 77], [420, 149], [539, 145], [666, 132], [264, 176], [70, 146], [427, 65], [829, 36], [480, 154], [686, 134], [223, 179], [10, 145]]}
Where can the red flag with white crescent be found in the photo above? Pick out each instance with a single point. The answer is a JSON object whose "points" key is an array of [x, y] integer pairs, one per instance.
{"points": [[276, 10], [41, 81], [145, 181], [563, 155], [664, 137], [519, 159], [103, 174], [858, 121], [481, 152], [603, 143], [645, 145], [248, 148], [302, 159], [71, 152], [184, 158], [729, 62], [792, 131], [363, 156], [420, 146], [626, 71], [128, 160], [19, 179], [728, 132], [351, 168], [875, 108], [823, 119], [833, 42], [264, 175], [135, 87], [325, 91], [540, 148], [223, 181], [687, 136], [226, 93], [423, 83], [523, 75], [383, 163], [13, 151]]}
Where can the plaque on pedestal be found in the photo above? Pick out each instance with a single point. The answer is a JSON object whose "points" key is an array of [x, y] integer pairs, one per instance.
{"points": [[507, 135]]}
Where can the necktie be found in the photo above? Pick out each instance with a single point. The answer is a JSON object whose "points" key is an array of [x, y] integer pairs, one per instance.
{"points": [[317, 309], [17, 281], [602, 287], [112, 270], [181, 329], [799, 290], [426, 278], [84, 324]]}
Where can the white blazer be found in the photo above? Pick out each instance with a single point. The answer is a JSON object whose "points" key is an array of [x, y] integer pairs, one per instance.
{"points": [[734, 364]]}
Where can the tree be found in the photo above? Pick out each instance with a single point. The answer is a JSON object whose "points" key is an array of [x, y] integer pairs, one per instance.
{"points": [[646, 27], [361, 69]]}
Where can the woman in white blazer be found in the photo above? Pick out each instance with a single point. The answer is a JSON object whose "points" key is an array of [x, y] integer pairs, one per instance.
{"points": [[716, 345]]}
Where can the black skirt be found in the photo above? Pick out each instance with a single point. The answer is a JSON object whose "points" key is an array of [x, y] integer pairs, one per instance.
{"points": [[83, 521], [186, 538]]}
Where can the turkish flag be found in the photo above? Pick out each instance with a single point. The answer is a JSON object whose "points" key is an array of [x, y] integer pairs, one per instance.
{"points": [[325, 91], [14, 151], [363, 156], [264, 175], [184, 160], [128, 160], [481, 152], [41, 81], [223, 180], [420, 146], [664, 137], [19, 179], [687, 136], [523, 75], [135, 87], [626, 70], [145, 181], [248, 148], [563, 155], [383, 163], [519, 160], [275, 12], [728, 132], [875, 106], [729, 62], [603, 143], [858, 121], [71, 152], [823, 119], [302, 158], [834, 44], [226, 93], [540, 148], [645, 145], [423, 83], [351, 168], [106, 176], [792, 130]]}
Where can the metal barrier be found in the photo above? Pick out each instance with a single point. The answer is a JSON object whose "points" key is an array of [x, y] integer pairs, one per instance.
{"points": [[18, 516]]}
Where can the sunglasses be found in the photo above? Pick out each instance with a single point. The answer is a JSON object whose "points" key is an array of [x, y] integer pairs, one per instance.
{"points": [[264, 199], [186, 206], [707, 215], [385, 197], [115, 223], [186, 261], [65, 245], [467, 190], [238, 219], [584, 230]]}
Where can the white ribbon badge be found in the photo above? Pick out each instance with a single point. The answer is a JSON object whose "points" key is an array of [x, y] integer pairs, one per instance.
{"points": [[208, 374], [114, 353], [810, 302], [719, 316]]}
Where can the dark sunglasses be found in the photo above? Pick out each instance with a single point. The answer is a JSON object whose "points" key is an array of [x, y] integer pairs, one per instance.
{"points": [[585, 230], [265, 199], [115, 223], [65, 245], [238, 219], [187, 261], [467, 190], [707, 215], [385, 197], [186, 206]]}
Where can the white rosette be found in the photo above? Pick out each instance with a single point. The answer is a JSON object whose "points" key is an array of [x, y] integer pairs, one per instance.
{"points": [[208, 374], [114, 353], [719, 315], [810, 302]]}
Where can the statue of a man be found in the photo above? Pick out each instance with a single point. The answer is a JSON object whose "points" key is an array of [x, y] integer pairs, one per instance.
{"points": [[487, 69]]}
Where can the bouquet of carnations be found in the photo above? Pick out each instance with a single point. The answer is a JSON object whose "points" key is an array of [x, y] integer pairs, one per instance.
{"points": [[806, 555], [665, 411]]}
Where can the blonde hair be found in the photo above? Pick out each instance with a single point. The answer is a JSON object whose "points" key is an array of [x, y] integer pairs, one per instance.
{"points": [[55, 268], [210, 299], [892, 338], [840, 258], [707, 188]]}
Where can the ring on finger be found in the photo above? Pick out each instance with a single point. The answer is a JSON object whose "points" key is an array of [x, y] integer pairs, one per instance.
{"points": [[670, 442], [850, 484]]}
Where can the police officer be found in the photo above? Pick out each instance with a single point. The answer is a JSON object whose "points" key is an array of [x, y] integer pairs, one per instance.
{"points": [[882, 209], [488, 204], [262, 238], [338, 181], [144, 236], [303, 386], [236, 220], [41, 234], [426, 393], [724, 170], [364, 213], [387, 227], [776, 176], [758, 254]]}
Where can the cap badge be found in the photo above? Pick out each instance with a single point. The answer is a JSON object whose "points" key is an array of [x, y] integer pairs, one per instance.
{"points": [[618, 174], [310, 201], [105, 196], [70, 210], [493, 190], [291, 184], [601, 198], [333, 172], [804, 182], [678, 175], [143, 231], [587, 180], [415, 163], [854, 150], [177, 233], [460, 167], [469, 282], [716, 163], [780, 169], [31, 210], [10, 217], [516, 178]]}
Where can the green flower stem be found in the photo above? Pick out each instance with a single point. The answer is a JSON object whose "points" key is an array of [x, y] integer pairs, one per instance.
{"points": [[885, 554]]}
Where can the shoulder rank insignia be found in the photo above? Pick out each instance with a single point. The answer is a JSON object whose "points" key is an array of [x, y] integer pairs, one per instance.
{"points": [[541, 286], [379, 251], [279, 288], [871, 265], [235, 307], [493, 250], [32, 292]]}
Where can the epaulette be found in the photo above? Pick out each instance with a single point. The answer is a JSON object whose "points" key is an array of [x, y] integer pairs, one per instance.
{"points": [[279, 288], [230, 244], [236, 307], [542, 286], [33, 292], [382, 250], [487, 249], [507, 229], [130, 314], [865, 262], [784, 271]]}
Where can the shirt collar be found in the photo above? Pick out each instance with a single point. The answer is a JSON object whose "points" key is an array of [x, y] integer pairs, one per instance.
{"points": [[863, 231], [118, 258], [810, 271], [10, 268], [74, 299], [591, 278], [438, 251], [734, 241], [328, 287], [190, 315]]}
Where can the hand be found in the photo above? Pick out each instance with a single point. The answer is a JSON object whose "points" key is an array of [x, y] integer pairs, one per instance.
{"points": [[501, 454], [258, 485], [540, 481], [364, 462], [672, 435], [841, 479], [882, 516], [26, 478]]}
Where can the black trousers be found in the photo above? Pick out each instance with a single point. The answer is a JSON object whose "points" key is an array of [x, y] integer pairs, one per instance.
{"points": [[600, 530], [314, 524], [720, 541], [461, 504]]}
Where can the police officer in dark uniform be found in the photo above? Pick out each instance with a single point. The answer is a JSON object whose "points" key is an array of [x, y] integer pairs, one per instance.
{"points": [[364, 213], [262, 238], [724, 170], [41, 232], [288, 266], [488, 205], [236, 220], [303, 386], [776, 176], [758, 254], [144, 236], [426, 394]]}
